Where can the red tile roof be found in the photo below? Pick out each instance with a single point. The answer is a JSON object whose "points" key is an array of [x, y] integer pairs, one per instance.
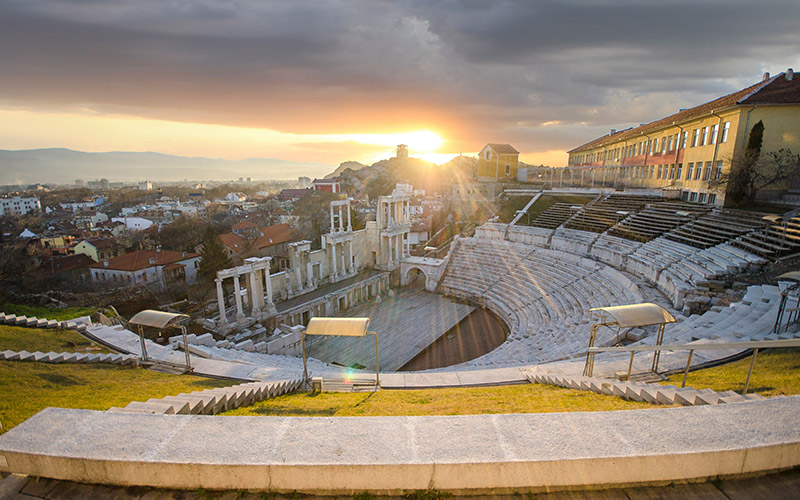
{"points": [[101, 243], [268, 236], [57, 265], [140, 259], [776, 90]]}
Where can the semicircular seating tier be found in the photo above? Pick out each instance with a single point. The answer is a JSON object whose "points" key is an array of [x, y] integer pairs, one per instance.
{"points": [[543, 296]]}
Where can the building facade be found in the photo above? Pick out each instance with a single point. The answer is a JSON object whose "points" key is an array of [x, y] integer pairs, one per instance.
{"points": [[691, 151], [17, 205], [147, 267], [497, 161]]}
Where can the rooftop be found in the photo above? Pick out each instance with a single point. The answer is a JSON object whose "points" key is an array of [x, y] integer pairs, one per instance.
{"points": [[140, 259], [775, 90]]}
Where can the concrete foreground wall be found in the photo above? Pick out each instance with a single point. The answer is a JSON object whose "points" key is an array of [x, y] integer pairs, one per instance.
{"points": [[461, 454]]}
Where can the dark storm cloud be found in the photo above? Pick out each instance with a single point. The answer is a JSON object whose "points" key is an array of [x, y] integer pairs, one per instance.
{"points": [[471, 69]]}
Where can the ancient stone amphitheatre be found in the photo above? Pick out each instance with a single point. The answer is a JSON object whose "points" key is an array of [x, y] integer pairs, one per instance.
{"points": [[708, 268]]}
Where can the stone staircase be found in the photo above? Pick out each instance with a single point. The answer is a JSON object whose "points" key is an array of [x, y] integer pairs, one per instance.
{"points": [[33, 322], [212, 401], [70, 357], [640, 391]]}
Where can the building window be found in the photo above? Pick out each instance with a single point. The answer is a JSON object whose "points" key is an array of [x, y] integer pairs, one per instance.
{"points": [[705, 136], [693, 197], [718, 171], [678, 172], [652, 171], [707, 171], [508, 169], [685, 195], [702, 198], [695, 137], [663, 144], [699, 171], [712, 198], [714, 132], [689, 169], [660, 167], [725, 128]]}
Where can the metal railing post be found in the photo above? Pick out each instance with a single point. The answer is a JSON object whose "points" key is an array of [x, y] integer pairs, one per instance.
{"points": [[686, 371], [750, 371]]}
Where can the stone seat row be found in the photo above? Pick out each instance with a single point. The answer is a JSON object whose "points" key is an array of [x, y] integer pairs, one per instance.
{"points": [[212, 401], [33, 322], [642, 392], [70, 357]]}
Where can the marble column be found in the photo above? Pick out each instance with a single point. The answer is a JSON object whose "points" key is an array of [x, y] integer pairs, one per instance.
{"points": [[269, 284], [349, 223], [334, 272], [237, 289], [297, 270], [310, 274], [255, 310], [221, 302]]}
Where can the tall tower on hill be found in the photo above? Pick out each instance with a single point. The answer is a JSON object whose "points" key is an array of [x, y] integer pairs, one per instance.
{"points": [[402, 151]]}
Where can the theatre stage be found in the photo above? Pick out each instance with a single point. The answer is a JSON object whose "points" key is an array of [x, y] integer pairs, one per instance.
{"points": [[406, 324]]}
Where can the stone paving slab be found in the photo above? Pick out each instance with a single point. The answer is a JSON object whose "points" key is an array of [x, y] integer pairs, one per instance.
{"points": [[776, 486], [391, 454]]}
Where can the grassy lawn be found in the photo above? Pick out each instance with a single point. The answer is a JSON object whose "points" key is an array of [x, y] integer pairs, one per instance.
{"points": [[526, 398], [777, 372], [28, 388], [47, 312], [18, 338]]}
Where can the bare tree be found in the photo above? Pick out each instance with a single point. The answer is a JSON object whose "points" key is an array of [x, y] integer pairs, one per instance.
{"points": [[747, 177]]}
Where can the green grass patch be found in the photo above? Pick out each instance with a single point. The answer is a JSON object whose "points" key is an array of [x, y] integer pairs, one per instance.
{"points": [[776, 372], [28, 388], [47, 312], [18, 338], [525, 398]]}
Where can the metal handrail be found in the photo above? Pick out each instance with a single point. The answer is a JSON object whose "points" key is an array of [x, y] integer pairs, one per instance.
{"points": [[752, 344]]}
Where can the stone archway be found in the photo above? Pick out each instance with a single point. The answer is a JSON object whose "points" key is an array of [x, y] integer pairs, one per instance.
{"points": [[414, 276]]}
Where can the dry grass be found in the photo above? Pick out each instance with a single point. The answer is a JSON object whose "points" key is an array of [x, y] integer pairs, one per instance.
{"points": [[776, 372], [526, 398], [19, 338], [28, 388]]}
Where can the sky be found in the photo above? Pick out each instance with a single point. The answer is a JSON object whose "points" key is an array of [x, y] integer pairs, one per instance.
{"points": [[331, 80]]}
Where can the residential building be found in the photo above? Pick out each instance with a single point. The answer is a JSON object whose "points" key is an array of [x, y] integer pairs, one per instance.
{"points": [[17, 205], [327, 185], [248, 240], [145, 186], [689, 151], [98, 249], [69, 270], [147, 267], [497, 161], [134, 223]]}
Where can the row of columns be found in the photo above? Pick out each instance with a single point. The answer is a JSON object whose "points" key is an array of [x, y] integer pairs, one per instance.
{"points": [[257, 270], [340, 255], [337, 302]]}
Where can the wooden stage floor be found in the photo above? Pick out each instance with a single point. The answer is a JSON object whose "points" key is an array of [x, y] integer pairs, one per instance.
{"points": [[406, 324]]}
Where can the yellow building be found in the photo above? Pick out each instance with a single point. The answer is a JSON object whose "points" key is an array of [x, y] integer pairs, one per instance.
{"points": [[497, 161], [689, 150], [97, 249]]}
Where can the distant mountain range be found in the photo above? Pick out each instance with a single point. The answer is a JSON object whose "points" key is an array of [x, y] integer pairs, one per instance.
{"points": [[63, 166]]}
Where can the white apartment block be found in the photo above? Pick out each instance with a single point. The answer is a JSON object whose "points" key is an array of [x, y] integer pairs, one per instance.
{"points": [[19, 206]]}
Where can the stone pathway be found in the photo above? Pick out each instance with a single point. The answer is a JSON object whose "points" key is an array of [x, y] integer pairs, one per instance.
{"points": [[778, 486]]}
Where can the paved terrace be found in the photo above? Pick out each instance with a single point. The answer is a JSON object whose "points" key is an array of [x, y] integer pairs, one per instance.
{"points": [[461, 454]]}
